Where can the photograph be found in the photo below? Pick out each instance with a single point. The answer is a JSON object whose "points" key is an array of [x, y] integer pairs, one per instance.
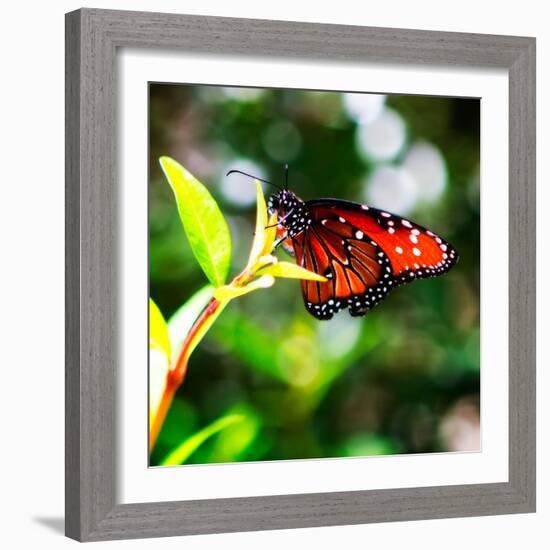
{"points": [[314, 274]]}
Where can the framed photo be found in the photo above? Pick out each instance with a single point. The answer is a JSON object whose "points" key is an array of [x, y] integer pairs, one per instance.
{"points": [[300, 275]]}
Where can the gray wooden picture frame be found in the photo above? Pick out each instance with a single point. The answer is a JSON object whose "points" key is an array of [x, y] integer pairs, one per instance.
{"points": [[92, 40]]}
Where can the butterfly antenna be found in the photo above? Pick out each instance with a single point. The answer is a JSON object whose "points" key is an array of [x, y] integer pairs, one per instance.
{"points": [[253, 177], [286, 177]]}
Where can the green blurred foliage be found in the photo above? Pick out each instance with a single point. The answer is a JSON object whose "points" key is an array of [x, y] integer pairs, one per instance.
{"points": [[395, 381]]}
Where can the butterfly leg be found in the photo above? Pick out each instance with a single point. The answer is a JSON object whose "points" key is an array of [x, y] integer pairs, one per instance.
{"points": [[279, 242], [279, 222]]}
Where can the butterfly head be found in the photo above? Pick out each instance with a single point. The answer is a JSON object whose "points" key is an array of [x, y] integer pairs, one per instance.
{"points": [[291, 210]]}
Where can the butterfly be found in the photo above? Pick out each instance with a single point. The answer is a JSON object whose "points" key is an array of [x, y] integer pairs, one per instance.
{"points": [[363, 252]]}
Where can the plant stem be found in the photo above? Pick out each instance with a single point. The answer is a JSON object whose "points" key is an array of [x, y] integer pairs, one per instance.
{"points": [[178, 370]]}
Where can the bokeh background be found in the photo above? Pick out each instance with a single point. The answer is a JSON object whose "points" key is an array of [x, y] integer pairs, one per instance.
{"points": [[402, 379]]}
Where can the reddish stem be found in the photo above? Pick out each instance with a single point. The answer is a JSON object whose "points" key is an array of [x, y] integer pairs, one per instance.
{"points": [[178, 370]]}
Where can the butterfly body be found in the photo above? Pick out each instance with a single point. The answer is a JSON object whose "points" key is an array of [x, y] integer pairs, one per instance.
{"points": [[293, 213], [363, 252]]}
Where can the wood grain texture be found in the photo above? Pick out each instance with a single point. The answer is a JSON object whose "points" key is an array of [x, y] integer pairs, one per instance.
{"points": [[72, 277], [522, 274], [92, 39]]}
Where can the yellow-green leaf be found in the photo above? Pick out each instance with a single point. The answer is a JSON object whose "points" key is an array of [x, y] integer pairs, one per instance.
{"points": [[228, 292], [235, 442], [158, 330], [270, 234], [181, 322], [291, 271], [258, 244], [191, 444], [203, 222]]}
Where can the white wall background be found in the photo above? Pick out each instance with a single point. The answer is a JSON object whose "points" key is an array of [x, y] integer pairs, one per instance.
{"points": [[31, 218]]}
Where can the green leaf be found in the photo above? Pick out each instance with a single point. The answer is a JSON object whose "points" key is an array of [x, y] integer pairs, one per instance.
{"points": [[265, 231], [158, 330], [202, 220], [288, 270], [235, 441], [191, 444], [181, 322], [229, 292], [181, 422]]}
